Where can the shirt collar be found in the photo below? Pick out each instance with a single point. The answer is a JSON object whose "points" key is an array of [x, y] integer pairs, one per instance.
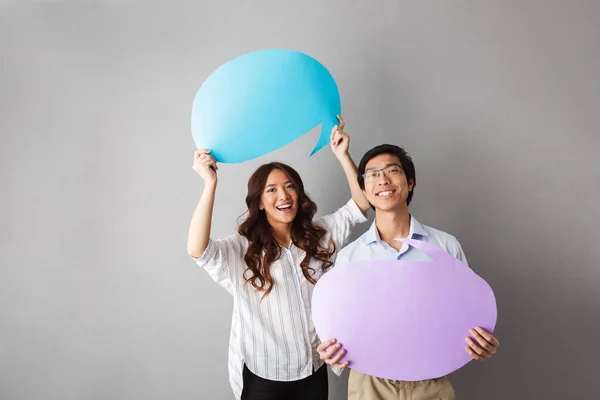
{"points": [[372, 235]]}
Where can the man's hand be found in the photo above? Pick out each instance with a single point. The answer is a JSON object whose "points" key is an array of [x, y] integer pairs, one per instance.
{"points": [[339, 140], [331, 352], [484, 346]]}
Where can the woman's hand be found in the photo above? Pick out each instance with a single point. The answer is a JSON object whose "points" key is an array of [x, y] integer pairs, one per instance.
{"points": [[205, 166]]}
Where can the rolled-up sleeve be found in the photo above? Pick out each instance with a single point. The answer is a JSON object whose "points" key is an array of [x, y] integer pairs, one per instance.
{"points": [[341, 222], [219, 258], [337, 370]]}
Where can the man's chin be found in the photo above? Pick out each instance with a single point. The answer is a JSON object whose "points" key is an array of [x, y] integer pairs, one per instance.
{"points": [[387, 206]]}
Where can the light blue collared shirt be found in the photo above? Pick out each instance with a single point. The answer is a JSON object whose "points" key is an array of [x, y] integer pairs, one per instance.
{"points": [[370, 246]]}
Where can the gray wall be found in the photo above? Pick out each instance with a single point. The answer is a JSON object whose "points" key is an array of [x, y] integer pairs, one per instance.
{"points": [[498, 102]]}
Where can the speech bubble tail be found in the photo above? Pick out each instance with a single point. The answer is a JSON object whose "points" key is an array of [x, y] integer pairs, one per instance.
{"points": [[323, 139]]}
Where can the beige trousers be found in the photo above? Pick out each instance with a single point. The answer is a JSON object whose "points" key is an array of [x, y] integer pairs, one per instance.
{"points": [[366, 387]]}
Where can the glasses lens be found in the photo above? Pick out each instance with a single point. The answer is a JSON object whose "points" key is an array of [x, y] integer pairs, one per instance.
{"points": [[372, 175]]}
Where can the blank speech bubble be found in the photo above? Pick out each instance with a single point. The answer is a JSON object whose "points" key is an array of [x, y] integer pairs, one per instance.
{"points": [[404, 320], [261, 101]]}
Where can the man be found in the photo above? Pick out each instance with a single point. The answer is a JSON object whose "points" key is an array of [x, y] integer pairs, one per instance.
{"points": [[386, 174]]}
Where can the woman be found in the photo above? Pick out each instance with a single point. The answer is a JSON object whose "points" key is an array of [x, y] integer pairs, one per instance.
{"points": [[270, 267]]}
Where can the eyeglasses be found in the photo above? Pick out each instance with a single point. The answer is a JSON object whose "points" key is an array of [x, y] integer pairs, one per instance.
{"points": [[374, 174]]}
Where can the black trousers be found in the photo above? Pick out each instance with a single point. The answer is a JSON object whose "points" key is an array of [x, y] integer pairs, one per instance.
{"points": [[313, 387]]}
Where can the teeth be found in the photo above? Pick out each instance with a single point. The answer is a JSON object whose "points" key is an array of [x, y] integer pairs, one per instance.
{"points": [[385, 194], [284, 207]]}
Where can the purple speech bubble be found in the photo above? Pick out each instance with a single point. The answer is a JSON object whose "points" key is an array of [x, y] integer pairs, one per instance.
{"points": [[404, 320]]}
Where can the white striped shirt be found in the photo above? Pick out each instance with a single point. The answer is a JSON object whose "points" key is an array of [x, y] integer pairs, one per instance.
{"points": [[275, 337]]}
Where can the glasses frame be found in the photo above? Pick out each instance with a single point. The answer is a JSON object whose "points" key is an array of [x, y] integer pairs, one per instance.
{"points": [[381, 171]]}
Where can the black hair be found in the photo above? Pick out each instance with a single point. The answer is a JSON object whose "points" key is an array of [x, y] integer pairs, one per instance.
{"points": [[406, 163]]}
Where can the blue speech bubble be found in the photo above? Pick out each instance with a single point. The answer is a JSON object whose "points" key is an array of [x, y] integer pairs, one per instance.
{"points": [[261, 101]]}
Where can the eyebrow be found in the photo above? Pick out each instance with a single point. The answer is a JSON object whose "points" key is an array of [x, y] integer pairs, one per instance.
{"points": [[274, 184], [387, 165]]}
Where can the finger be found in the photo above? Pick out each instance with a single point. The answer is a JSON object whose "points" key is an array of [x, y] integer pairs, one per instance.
{"points": [[488, 336], [202, 156], [473, 354], [482, 341], [335, 138], [477, 349], [342, 365], [329, 353], [342, 122], [208, 159], [211, 164], [323, 346], [336, 359], [333, 131]]}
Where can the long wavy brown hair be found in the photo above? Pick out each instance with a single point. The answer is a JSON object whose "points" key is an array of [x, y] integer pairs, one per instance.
{"points": [[263, 249]]}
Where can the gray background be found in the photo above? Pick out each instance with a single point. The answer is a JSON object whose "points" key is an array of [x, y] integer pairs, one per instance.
{"points": [[497, 101]]}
